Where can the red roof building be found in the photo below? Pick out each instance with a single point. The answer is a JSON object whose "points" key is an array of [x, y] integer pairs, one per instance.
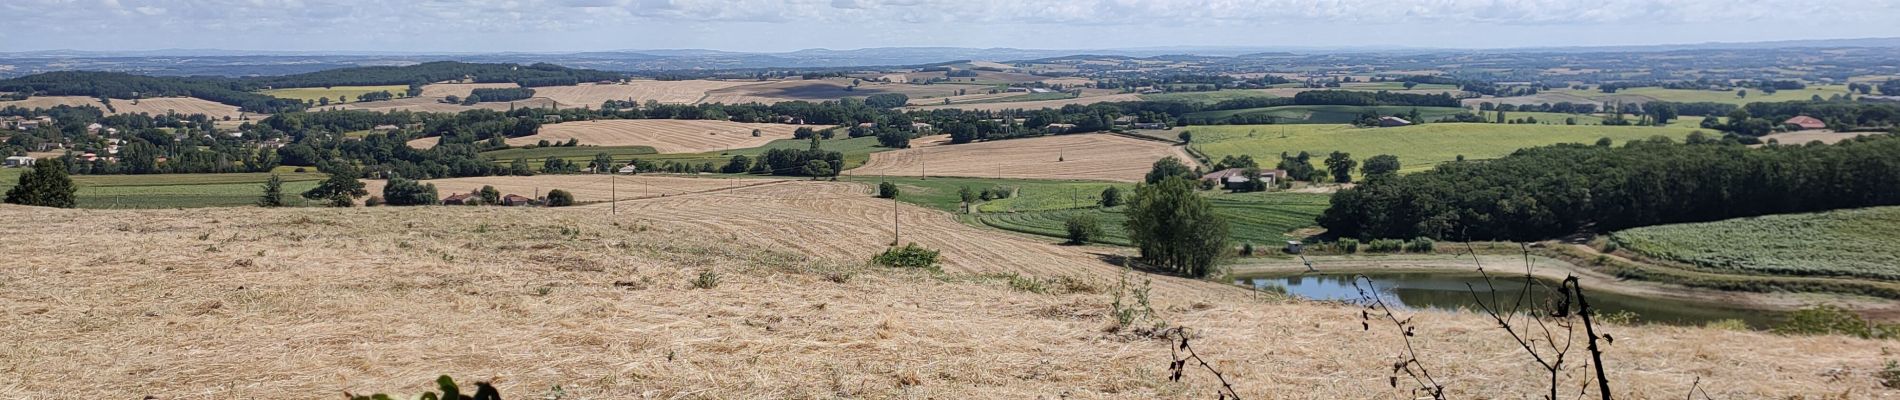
{"points": [[1806, 122]]}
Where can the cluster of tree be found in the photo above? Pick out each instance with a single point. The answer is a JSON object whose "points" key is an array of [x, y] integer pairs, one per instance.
{"points": [[1175, 228], [480, 95], [816, 163], [540, 74], [1558, 107], [1840, 115], [376, 96], [118, 85], [1379, 98], [886, 100], [1554, 191]]}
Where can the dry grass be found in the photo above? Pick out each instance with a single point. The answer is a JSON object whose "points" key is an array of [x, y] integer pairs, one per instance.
{"points": [[1035, 105], [664, 135], [675, 92], [248, 303], [53, 101], [440, 90], [1080, 156], [586, 188], [435, 104]]}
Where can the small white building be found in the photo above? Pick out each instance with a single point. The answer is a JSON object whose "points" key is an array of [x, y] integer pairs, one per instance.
{"points": [[629, 169], [19, 161]]}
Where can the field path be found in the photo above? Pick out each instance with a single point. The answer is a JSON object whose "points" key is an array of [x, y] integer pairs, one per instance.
{"points": [[1077, 156]]}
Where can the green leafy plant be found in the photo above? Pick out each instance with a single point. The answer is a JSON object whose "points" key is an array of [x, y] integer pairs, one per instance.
{"points": [[909, 256]]}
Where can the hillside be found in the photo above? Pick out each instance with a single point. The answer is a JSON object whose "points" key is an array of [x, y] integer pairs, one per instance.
{"points": [[246, 302], [1850, 243], [1418, 147]]}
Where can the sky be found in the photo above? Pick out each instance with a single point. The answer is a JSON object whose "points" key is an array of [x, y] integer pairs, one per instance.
{"points": [[786, 25]]}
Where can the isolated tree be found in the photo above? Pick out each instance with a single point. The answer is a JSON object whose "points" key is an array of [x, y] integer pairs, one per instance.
{"points": [[489, 195], [757, 133], [1186, 136], [968, 196], [1175, 228], [46, 186], [1082, 228], [1168, 167], [887, 190], [894, 139], [1383, 165], [1341, 165], [273, 193], [1601, 142], [408, 192], [1112, 196], [560, 198], [340, 190], [803, 133]]}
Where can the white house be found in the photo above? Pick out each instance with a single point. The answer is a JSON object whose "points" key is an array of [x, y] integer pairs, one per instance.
{"points": [[19, 161]]}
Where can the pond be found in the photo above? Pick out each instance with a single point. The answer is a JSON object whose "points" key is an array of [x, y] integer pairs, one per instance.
{"points": [[1448, 291]]}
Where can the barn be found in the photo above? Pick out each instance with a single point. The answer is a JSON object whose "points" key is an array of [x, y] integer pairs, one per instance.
{"points": [[1805, 123]]}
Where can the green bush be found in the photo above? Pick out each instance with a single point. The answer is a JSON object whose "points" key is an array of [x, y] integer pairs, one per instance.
{"points": [[1610, 246], [1890, 376], [1420, 245], [408, 192], [1385, 246], [1828, 319], [887, 190], [1348, 245], [560, 198], [1083, 228], [909, 256], [1111, 197]]}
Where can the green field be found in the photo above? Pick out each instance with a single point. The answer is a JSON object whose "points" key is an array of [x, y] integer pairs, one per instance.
{"points": [[1856, 243], [1258, 218], [1206, 97], [1548, 118], [313, 93], [1031, 194], [1329, 114], [176, 190], [1725, 96], [1418, 147], [1399, 87]]}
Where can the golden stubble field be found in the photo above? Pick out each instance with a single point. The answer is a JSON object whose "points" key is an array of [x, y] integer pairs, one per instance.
{"points": [[664, 135], [248, 302], [1078, 156], [152, 106], [586, 188]]}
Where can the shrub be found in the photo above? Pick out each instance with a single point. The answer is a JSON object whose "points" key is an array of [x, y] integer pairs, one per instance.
{"points": [[46, 186], [373, 201], [1112, 196], [909, 256], [706, 280], [887, 190], [407, 192], [1828, 319], [1246, 249], [1610, 246], [1083, 229], [1385, 246], [1348, 245], [449, 391], [1420, 245], [560, 198], [1890, 376]]}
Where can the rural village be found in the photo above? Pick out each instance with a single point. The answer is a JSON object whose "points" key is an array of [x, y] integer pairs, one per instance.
{"points": [[1708, 222]]}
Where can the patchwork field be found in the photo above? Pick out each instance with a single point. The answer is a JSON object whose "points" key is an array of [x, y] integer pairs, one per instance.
{"points": [[336, 94], [673, 92], [1034, 105], [1418, 147], [182, 303], [1648, 94], [663, 135], [434, 104], [440, 90], [586, 188], [153, 106], [1080, 156], [1847, 243], [1329, 114]]}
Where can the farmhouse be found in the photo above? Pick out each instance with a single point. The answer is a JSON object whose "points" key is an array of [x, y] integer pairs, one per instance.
{"points": [[1234, 177], [1805, 122], [19, 161], [1059, 128], [383, 127], [1389, 121], [629, 169], [516, 200], [1126, 120], [459, 199], [1151, 125]]}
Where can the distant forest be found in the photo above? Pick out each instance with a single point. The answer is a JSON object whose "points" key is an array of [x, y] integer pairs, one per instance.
{"points": [[241, 92]]}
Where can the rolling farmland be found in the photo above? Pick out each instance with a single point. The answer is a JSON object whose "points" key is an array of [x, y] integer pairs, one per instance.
{"points": [[674, 92], [1079, 156], [1418, 147], [175, 190], [1264, 219], [346, 93], [586, 188], [153, 106], [440, 90], [1329, 114], [663, 135], [1846, 243], [1033, 105]]}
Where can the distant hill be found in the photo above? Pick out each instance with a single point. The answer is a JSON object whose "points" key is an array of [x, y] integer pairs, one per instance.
{"points": [[241, 92]]}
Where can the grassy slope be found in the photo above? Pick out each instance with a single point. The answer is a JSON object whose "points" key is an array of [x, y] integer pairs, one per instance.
{"points": [[332, 92], [1329, 114], [1852, 243], [1418, 147], [856, 152], [1258, 218], [1206, 97]]}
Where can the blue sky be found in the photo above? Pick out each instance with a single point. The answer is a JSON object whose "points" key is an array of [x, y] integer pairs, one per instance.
{"points": [[757, 25]]}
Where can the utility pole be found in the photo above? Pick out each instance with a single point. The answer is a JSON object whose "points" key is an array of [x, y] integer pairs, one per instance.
{"points": [[613, 192], [894, 219]]}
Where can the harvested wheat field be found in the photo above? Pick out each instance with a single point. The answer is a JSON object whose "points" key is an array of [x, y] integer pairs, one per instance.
{"points": [[251, 303], [586, 188], [440, 90], [673, 92], [1034, 105], [1079, 156], [53, 101], [664, 135], [180, 105], [431, 104]]}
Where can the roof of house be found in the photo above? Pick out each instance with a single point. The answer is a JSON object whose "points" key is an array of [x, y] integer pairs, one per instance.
{"points": [[19, 158], [1224, 174], [1394, 119], [1806, 122], [515, 197], [458, 197]]}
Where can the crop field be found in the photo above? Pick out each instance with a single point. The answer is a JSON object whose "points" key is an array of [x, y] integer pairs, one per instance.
{"points": [[830, 89], [440, 90], [587, 188], [663, 135], [1330, 114], [1846, 243], [1548, 118], [1208, 97], [1034, 105], [1264, 219], [435, 105], [1079, 156], [1648, 94], [1418, 147], [175, 190], [349, 93], [153, 106], [673, 92], [856, 152], [570, 153], [1030, 194]]}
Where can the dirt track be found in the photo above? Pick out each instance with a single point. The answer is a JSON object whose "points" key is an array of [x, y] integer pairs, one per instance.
{"points": [[1078, 156]]}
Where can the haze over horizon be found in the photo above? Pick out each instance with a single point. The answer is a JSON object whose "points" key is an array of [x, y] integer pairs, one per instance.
{"points": [[778, 26]]}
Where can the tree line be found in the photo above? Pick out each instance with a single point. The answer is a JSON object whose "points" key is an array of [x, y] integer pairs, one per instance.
{"points": [[1553, 191]]}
